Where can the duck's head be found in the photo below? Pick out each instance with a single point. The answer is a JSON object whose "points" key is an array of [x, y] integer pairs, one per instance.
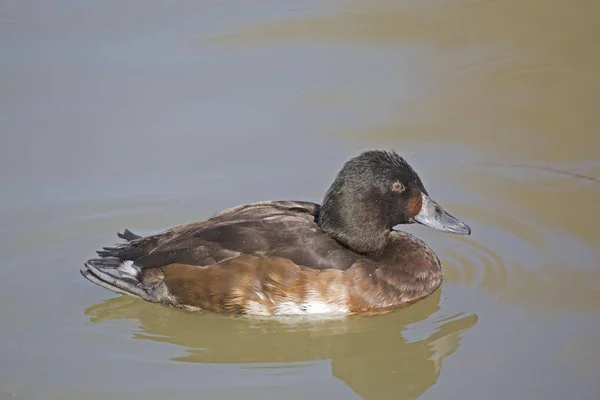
{"points": [[374, 192]]}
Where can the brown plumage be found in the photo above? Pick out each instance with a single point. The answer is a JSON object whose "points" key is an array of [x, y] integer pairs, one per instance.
{"points": [[289, 257]]}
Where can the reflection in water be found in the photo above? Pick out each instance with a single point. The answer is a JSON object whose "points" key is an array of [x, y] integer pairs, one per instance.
{"points": [[369, 353]]}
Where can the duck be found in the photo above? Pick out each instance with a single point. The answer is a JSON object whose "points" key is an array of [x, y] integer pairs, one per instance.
{"points": [[284, 258]]}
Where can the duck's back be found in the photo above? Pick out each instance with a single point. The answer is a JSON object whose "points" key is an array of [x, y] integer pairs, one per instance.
{"points": [[284, 229]]}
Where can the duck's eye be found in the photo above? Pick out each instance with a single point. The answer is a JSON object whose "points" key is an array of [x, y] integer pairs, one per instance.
{"points": [[398, 187]]}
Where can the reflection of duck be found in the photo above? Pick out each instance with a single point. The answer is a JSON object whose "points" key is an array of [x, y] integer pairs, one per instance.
{"points": [[370, 355], [286, 257]]}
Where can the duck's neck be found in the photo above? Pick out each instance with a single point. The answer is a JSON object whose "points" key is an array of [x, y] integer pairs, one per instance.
{"points": [[364, 234]]}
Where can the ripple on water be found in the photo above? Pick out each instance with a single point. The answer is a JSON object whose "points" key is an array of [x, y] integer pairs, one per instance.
{"points": [[524, 252]]}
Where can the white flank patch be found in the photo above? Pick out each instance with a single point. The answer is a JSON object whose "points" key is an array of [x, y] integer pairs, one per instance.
{"points": [[312, 305], [322, 307], [256, 308], [128, 269], [289, 308], [315, 304]]}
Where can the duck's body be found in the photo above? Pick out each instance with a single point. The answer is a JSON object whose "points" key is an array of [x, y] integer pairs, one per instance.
{"points": [[285, 257]]}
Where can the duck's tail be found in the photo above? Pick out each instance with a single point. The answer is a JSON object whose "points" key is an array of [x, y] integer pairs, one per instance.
{"points": [[128, 235], [113, 273], [96, 271]]}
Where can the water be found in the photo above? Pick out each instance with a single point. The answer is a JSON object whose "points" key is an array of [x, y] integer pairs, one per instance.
{"points": [[149, 114]]}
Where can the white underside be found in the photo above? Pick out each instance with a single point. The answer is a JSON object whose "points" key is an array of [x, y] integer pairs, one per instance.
{"points": [[310, 307], [313, 305]]}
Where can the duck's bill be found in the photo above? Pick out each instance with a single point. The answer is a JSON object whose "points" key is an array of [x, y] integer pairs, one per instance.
{"points": [[436, 217]]}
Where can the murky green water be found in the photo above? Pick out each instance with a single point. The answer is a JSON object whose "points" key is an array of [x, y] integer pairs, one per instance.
{"points": [[149, 114]]}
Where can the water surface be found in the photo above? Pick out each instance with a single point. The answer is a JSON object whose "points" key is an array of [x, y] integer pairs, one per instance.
{"points": [[149, 114]]}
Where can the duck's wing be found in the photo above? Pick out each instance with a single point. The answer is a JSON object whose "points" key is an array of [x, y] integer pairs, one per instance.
{"points": [[278, 228]]}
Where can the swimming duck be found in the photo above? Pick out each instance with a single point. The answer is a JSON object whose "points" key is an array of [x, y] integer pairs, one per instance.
{"points": [[293, 257]]}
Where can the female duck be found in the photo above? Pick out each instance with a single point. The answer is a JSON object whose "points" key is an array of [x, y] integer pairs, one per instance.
{"points": [[292, 257]]}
